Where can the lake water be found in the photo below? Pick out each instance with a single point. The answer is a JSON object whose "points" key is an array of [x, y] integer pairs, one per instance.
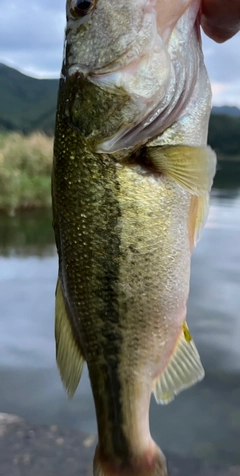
{"points": [[203, 421]]}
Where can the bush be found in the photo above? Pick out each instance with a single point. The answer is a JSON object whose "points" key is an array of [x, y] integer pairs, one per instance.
{"points": [[25, 171]]}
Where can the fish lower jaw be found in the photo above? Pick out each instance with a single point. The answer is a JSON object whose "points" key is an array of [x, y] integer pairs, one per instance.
{"points": [[150, 463]]}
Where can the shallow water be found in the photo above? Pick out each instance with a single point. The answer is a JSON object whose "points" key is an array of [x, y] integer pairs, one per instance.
{"points": [[203, 421]]}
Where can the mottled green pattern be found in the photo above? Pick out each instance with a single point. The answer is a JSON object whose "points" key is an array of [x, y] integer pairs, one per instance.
{"points": [[86, 213]]}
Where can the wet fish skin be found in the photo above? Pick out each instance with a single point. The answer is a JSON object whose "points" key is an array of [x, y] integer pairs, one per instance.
{"points": [[90, 259], [124, 222], [86, 222]]}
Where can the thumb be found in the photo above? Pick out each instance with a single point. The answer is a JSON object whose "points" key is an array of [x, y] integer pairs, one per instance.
{"points": [[220, 19]]}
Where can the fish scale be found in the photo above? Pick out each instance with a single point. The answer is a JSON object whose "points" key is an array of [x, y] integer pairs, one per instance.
{"points": [[116, 295], [127, 212]]}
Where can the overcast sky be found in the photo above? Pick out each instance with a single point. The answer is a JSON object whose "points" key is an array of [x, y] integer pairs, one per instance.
{"points": [[31, 40]]}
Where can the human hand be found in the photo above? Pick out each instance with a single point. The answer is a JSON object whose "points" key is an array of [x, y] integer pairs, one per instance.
{"points": [[220, 19]]}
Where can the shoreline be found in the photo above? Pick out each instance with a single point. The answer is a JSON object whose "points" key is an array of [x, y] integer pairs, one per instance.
{"points": [[35, 450]]}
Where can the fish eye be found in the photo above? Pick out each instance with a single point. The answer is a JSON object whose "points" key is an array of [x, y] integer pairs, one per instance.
{"points": [[82, 7]]}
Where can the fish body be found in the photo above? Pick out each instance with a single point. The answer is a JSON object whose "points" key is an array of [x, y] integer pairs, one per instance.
{"points": [[130, 186]]}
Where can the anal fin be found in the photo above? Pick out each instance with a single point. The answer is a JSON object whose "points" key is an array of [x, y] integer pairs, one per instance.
{"points": [[183, 370], [68, 354]]}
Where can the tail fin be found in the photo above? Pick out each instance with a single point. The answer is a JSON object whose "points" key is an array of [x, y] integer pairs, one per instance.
{"points": [[148, 465]]}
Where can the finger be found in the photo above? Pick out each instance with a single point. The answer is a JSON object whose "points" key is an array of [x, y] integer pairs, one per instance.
{"points": [[220, 18]]}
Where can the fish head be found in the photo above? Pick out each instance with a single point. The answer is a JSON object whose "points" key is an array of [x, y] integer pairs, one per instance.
{"points": [[110, 34], [141, 58]]}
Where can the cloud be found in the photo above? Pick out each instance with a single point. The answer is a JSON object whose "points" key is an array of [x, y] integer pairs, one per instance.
{"points": [[223, 65], [222, 60], [31, 39], [31, 35]]}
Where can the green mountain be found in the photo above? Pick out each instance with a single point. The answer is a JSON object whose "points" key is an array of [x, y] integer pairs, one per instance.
{"points": [[224, 136], [232, 111], [26, 104]]}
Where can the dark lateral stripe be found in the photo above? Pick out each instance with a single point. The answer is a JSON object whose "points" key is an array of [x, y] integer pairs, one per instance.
{"points": [[86, 191], [109, 315]]}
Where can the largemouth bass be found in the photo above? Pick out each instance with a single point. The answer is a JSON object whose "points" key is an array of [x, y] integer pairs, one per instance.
{"points": [[130, 186]]}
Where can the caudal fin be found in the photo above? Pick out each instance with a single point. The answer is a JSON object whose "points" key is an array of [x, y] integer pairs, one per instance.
{"points": [[147, 465]]}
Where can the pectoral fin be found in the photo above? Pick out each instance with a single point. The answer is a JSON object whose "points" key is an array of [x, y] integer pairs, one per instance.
{"points": [[192, 167], [183, 370], [68, 354]]}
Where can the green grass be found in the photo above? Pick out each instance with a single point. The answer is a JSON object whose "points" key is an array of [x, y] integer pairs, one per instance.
{"points": [[25, 171]]}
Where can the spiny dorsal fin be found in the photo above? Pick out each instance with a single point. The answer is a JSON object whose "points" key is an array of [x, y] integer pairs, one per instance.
{"points": [[192, 167], [183, 370], [69, 357]]}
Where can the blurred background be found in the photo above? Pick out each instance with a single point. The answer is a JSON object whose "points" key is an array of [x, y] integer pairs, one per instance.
{"points": [[203, 421]]}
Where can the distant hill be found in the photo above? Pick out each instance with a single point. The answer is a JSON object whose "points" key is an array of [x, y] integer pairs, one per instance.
{"points": [[26, 104], [226, 111], [224, 136]]}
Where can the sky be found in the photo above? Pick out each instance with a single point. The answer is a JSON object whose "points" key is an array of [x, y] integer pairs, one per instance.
{"points": [[31, 40]]}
